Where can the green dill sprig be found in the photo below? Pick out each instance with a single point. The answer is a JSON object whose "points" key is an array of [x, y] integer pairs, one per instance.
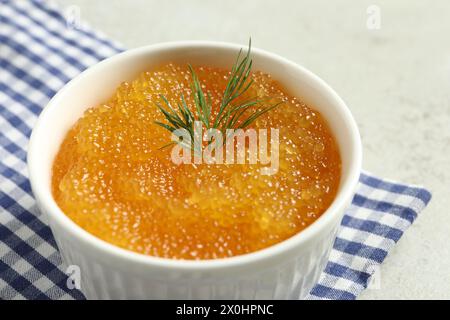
{"points": [[230, 113]]}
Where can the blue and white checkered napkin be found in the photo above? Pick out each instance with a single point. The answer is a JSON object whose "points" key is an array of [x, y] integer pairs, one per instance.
{"points": [[39, 53]]}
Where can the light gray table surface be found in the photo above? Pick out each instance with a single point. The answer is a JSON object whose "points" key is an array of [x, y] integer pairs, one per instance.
{"points": [[395, 79]]}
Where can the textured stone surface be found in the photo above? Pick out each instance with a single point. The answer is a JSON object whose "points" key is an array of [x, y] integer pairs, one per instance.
{"points": [[396, 81]]}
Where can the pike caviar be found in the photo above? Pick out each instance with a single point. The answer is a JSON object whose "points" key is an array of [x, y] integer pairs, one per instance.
{"points": [[112, 179]]}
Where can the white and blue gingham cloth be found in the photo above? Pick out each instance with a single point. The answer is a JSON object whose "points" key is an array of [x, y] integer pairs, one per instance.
{"points": [[39, 53]]}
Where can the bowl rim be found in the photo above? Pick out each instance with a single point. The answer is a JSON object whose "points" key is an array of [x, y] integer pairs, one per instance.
{"points": [[53, 212]]}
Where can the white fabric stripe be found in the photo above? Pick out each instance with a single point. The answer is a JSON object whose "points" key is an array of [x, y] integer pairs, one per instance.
{"points": [[17, 109], [38, 49], [34, 69], [71, 34], [45, 249], [8, 187], [353, 262], [7, 156], [22, 267], [51, 40], [342, 284], [382, 213], [9, 131], [383, 195], [5, 218], [11, 162], [24, 232], [21, 86], [389, 220], [43, 283], [366, 238], [7, 292]]}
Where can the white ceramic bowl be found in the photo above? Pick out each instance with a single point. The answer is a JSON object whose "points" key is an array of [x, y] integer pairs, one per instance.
{"points": [[287, 270]]}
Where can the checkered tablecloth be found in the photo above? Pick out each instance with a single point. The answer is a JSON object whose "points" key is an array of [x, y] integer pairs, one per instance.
{"points": [[40, 50]]}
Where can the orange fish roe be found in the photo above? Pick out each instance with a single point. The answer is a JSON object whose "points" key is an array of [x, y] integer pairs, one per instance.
{"points": [[112, 179]]}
